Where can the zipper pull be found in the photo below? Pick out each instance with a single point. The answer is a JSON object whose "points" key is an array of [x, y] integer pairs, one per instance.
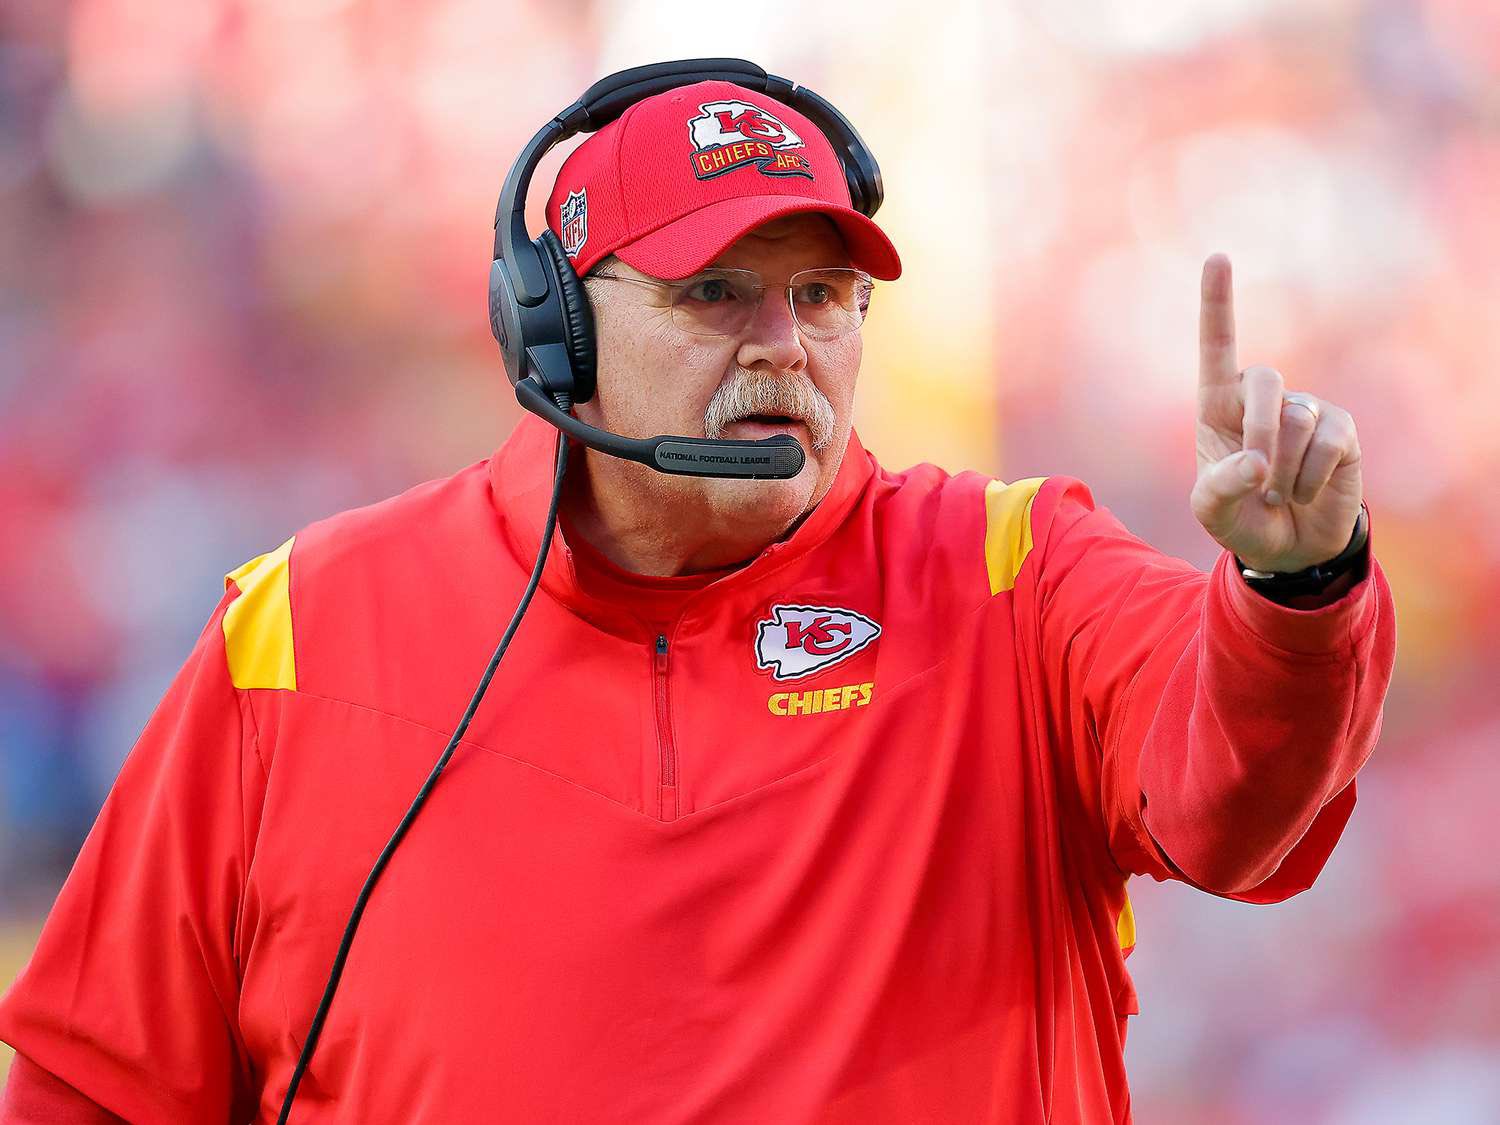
{"points": [[661, 644]]}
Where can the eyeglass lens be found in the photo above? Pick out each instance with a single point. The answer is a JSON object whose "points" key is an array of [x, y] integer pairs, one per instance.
{"points": [[826, 302]]}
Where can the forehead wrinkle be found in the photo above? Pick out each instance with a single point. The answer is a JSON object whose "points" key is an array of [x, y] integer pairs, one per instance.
{"points": [[787, 225], [814, 239]]}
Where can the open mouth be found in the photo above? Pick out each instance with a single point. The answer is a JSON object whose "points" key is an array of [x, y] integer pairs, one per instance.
{"points": [[770, 419]]}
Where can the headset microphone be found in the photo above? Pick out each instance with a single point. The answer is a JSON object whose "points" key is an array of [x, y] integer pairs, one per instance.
{"points": [[773, 458]]}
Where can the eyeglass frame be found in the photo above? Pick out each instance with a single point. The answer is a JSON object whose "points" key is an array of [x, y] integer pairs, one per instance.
{"points": [[677, 287]]}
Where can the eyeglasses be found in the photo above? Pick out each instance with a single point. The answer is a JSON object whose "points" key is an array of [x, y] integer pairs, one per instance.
{"points": [[826, 303]]}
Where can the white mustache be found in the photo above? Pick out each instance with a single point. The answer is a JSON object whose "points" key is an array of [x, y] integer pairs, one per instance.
{"points": [[748, 392]]}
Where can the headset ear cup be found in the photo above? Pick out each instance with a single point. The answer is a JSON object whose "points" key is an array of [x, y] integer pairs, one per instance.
{"points": [[578, 316]]}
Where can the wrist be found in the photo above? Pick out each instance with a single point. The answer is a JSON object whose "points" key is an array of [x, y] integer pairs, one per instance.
{"points": [[1320, 583], [1336, 590]]}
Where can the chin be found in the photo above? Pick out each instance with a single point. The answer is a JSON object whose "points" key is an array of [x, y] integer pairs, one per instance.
{"points": [[768, 502]]}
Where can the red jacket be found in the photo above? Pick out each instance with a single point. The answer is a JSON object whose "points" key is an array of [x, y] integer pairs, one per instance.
{"points": [[839, 836]]}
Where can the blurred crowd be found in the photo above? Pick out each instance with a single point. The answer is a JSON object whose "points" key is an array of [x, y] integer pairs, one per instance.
{"points": [[243, 250]]}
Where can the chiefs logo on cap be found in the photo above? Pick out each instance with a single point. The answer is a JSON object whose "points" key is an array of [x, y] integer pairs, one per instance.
{"points": [[800, 639], [732, 134]]}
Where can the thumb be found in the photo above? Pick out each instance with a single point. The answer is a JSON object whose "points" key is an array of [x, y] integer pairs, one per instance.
{"points": [[1220, 491]]}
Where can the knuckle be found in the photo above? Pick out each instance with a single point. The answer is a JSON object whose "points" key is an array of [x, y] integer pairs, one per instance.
{"points": [[1338, 435], [1294, 416], [1263, 375], [1325, 448]]}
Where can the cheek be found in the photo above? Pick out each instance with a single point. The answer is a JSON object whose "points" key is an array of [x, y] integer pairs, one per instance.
{"points": [[653, 374], [693, 370], [835, 370]]}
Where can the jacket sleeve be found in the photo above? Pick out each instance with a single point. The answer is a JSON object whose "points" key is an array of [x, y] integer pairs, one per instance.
{"points": [[129, 1002], [34, 1097], [1216, 734]]}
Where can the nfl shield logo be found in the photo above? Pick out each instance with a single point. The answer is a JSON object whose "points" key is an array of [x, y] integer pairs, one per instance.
{"points": [[575, 221]]}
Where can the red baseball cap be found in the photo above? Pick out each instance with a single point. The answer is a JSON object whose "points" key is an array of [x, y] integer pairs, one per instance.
{"points": [[678, 177]]}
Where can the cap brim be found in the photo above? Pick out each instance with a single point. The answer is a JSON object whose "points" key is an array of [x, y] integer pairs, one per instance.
{"points": [[686, 245]]}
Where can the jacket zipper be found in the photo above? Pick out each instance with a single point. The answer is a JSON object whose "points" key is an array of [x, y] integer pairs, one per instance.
{"points": [[666, 751]]}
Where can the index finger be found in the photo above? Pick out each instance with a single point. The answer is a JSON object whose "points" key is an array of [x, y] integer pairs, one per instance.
{"points": [[1216, 360]]}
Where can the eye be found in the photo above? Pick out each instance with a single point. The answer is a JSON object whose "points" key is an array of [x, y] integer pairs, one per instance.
{"points": [[833, 290], [710, 290]]}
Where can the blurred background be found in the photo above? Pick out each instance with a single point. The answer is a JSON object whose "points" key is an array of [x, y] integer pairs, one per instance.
{"points": [[243, 255]]}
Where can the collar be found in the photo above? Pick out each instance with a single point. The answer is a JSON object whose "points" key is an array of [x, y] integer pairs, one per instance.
{"points": [[520, 473]]}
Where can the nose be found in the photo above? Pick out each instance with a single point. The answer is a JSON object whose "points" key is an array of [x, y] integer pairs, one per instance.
{"points": [[772, 339]]}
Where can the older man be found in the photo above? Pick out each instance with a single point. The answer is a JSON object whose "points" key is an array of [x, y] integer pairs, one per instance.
{"points": [[810, 800]]}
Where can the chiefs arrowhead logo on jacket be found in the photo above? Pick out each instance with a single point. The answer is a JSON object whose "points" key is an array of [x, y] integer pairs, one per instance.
{"points": [[800, 639]]}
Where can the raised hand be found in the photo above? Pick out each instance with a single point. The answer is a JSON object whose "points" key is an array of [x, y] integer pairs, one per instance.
{"points": [[1278, 472]]}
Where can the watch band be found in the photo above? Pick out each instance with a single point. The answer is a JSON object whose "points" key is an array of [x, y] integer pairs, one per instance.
{"points": [[1318, 577]]}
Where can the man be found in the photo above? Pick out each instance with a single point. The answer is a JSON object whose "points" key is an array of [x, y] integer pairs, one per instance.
{"points": [[810, 800]]}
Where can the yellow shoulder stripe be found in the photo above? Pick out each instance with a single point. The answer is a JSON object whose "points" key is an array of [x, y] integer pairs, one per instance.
{"points": [[258, 623], [1007, 533], [1125, 924]]}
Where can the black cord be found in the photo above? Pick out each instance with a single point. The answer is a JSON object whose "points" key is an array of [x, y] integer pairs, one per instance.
{"points": [[416, 806]]}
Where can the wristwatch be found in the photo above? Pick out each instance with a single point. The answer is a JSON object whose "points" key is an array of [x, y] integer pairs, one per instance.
{"points": [[1318, 577]]}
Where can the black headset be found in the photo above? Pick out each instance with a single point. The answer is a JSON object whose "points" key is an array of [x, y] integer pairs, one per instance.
{"points": [[542, 319], [541, 316]]}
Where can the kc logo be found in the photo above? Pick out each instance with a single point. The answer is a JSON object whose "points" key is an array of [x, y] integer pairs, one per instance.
{"points": [[733, 134], [797, 640], [752, 123]]}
